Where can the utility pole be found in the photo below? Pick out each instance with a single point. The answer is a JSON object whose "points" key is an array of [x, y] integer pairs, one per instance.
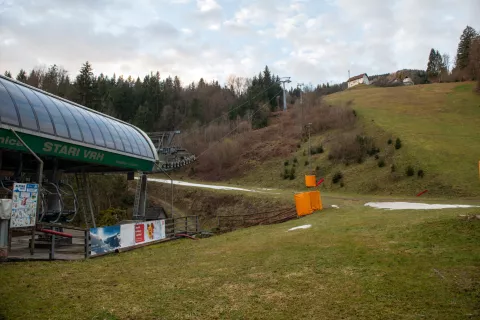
{"points": [[309, 149], [300, 85], [287, 80]]}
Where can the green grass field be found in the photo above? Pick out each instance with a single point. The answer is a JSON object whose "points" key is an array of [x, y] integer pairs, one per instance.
{"points": [[353, 263], [438, 124]]}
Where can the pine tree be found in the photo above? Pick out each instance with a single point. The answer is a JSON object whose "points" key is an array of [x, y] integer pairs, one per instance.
{"points": [[8, 74], [431, 72], [84, 85], [34, 78], [22, 76], [267, 76], [464, 47], [435, 64]]}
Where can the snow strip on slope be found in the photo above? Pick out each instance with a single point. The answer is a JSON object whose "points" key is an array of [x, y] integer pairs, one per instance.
{"points": [[414, 206], [200, 185], [305, 226]]}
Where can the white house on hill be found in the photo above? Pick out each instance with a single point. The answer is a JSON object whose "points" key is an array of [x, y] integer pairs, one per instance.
{"points": [[362, 78], [408, 82]]}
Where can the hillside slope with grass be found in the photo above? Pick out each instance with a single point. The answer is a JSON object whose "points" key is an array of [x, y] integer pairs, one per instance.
{"points": [[354, 262], [438, 124], [438, 128]]}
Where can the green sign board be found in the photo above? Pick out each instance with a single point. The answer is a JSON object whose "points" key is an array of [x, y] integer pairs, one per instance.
{"points": [[44, 146]]}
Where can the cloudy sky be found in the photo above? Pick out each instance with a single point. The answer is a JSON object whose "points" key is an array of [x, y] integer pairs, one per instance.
{"points": [[312, 41]]}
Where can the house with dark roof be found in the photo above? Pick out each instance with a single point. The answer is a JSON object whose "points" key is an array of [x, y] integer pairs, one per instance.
{"points": [[361, 78]]}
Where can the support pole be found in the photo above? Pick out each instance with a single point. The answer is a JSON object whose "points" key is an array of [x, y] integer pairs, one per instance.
{"points": [[309, 149], [171, 184], [52, 246], [284, 98], [39, 177]]}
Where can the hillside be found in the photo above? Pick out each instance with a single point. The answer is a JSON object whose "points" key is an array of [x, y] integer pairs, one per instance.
{"points": [[438, 125], [353, 263]]}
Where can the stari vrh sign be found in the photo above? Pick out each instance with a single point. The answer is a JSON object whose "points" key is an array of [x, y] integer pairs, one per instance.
{"points": [[45, 146], [63, 149]]}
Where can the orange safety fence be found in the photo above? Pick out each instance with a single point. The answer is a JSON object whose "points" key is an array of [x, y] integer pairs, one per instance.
{"points": [[310, 181], [302, 203], [315, 200], [307, 202]]}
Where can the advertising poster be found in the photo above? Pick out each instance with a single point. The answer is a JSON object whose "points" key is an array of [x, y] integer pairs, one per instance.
{"points": [[149, 231], [104, 239], [111, 238], [139, 233], [24, 205], [127, 235]]}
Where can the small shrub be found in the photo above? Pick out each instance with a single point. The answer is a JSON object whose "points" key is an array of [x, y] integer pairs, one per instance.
{"points": [[285, 163], [295, 160], [304, 153], [420, 173], [360, 160], [389, 141], [392, 168], [286, 174], [317, 168], [354, 113], [373, 150], [306, 162], [111, 216], [381, 163], [337, 177], [376, 157], [292, 174], [313, 151], [398, 143], [342, 184], [410, 171], [320, 149], [298, 146]]}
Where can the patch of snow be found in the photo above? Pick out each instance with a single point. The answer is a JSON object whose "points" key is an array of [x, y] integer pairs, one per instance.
{"points": [[335, 206], [305, 226], [201, 185], [414, 206]]}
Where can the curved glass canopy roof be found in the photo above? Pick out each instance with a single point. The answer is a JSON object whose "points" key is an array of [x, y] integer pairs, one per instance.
{"points": [[34, 110]]}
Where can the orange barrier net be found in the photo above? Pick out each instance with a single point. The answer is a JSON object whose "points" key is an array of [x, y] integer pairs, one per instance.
{"points": [[310, 181], [302, 203], [315, 200]]}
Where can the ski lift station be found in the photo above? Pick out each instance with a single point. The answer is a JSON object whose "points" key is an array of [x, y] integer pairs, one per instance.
{"points": [[49, 147]]}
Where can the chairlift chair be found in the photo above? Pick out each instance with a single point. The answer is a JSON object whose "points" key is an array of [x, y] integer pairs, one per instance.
{"points": [[59, 203]]}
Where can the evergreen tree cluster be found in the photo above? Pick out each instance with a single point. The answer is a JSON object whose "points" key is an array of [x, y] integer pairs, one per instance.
{"points": [[466, 65], [156, 104], [436, 66]]}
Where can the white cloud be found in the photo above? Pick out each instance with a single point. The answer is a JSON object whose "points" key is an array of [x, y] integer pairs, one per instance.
{"points": [[208, 5], [214, 27], [311, 41]]}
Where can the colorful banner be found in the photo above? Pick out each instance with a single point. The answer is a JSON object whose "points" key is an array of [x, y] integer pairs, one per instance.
{"points": [[104, 239], [24, 205], [149, 231], [111, 238]]}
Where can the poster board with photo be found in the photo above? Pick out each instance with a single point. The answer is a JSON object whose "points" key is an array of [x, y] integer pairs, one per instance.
{"points": [[24, 205], [111, 238]]}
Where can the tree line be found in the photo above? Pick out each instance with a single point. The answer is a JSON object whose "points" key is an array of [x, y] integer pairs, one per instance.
{"points": [[466, 63], [156, 104]]}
